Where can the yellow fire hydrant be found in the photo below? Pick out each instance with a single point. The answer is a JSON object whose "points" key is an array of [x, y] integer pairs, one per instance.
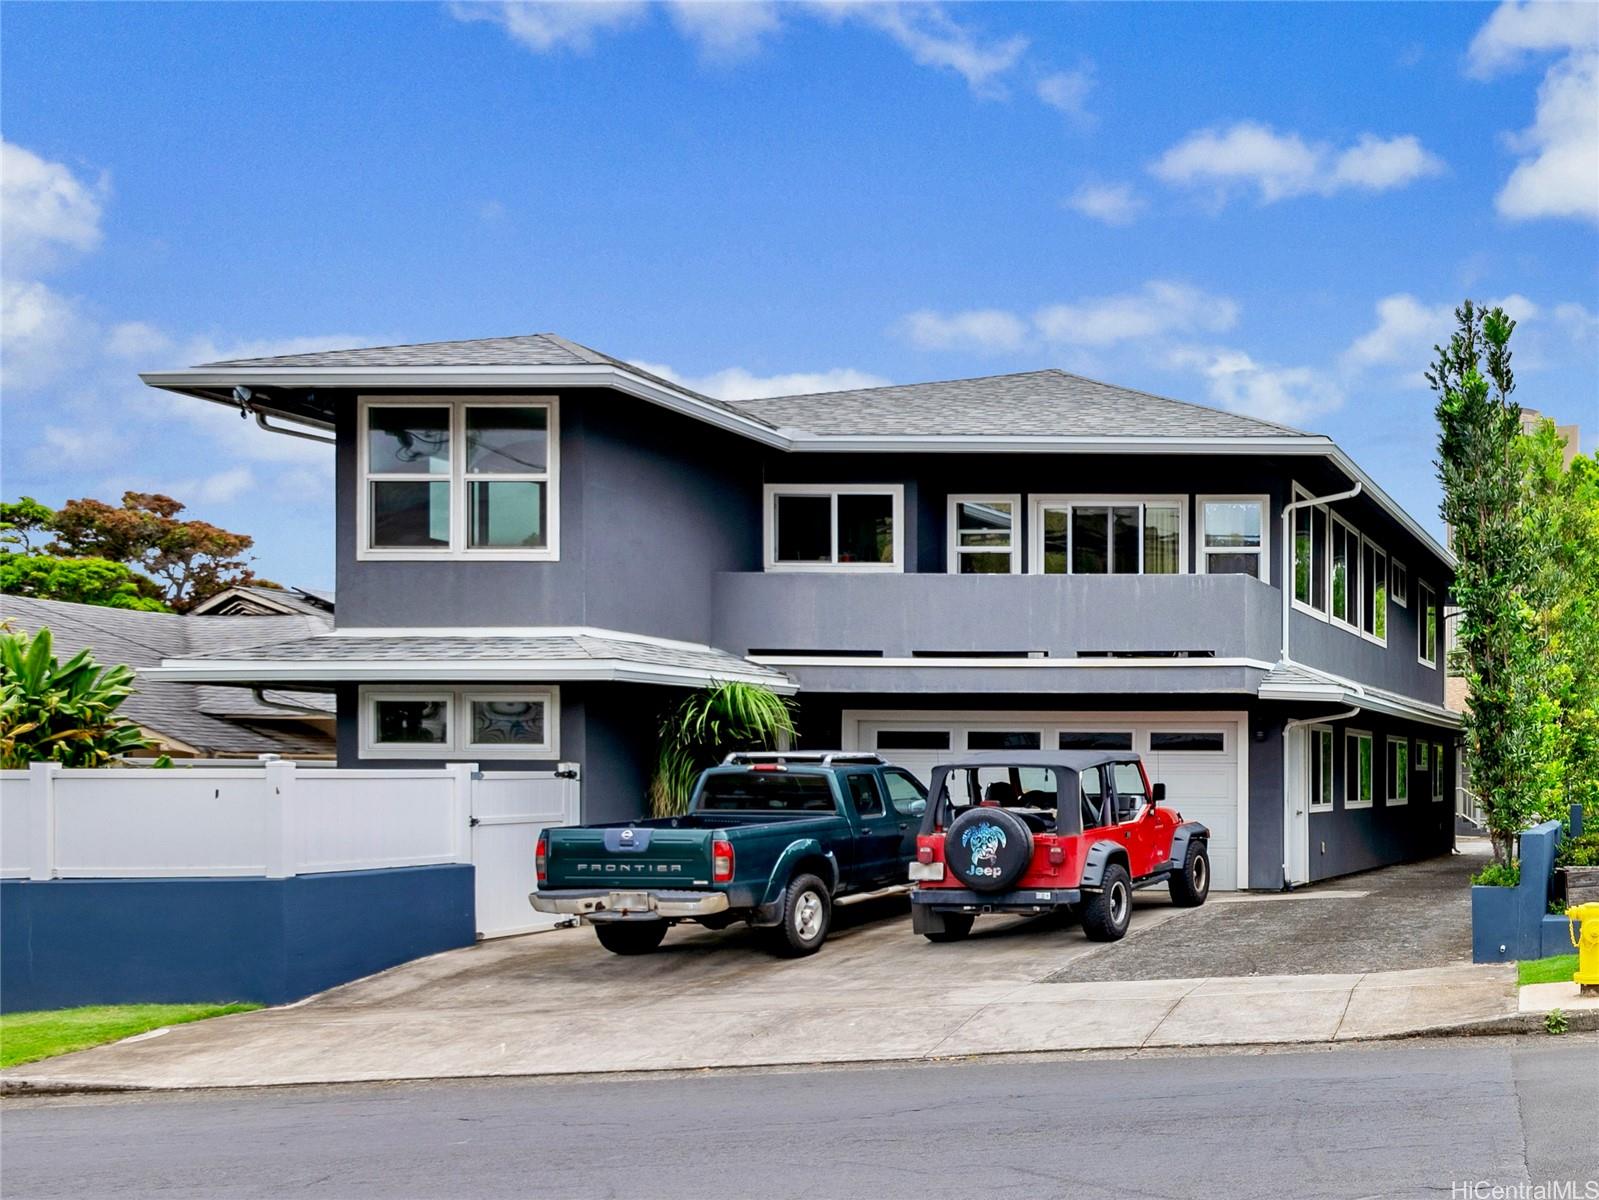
{"points": [[1586, 977]]}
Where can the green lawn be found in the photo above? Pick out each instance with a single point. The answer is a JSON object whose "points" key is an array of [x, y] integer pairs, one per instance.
{"points": [[1546, 970], [29, 1036]]}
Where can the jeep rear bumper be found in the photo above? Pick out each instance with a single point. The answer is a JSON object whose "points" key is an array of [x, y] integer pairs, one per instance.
{"points": [[964, 900], [605, 904]]}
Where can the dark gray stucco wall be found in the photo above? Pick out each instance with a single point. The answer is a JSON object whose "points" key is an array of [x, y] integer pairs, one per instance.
{"points": [[652, 505]]}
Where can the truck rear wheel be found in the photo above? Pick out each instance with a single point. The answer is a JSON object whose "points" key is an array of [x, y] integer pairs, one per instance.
{"points": [[807, 915], [956, 927], [1106, 914], [630, 937]]}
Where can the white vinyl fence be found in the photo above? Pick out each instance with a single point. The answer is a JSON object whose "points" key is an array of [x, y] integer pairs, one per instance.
{"points": [[272, 819]]}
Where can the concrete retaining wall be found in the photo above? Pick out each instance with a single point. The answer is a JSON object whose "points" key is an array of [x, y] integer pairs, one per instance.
{"points": [[66, 942]]}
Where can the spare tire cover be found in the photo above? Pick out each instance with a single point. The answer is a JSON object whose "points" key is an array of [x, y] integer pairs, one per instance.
{"points": [[988, 849]]}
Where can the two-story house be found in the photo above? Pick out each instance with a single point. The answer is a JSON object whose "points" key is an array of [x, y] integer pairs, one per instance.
{"points": [[540, 546]]}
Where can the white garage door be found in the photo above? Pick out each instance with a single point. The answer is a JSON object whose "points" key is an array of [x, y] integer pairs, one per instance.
{"points": [[1197, 757]]}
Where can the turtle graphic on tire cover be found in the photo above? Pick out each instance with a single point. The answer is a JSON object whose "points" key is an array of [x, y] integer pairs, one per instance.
{"points": [[984, 841], [988, 848]]}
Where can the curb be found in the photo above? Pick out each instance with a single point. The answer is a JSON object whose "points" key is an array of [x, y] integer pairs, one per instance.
{"points": [[1523, 1024]]}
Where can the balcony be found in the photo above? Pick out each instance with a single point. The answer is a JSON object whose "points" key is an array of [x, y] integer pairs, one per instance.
{"points": [[1061, 617]]}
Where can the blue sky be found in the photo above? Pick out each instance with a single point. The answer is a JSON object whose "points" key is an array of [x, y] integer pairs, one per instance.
{"points": [[1267, 208]]}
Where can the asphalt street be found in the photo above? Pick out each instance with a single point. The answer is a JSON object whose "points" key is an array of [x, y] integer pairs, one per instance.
{"points": [[1395, 1119]]}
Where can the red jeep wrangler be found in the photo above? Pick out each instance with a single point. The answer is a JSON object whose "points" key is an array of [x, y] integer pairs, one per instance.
{"points": [[1036, 832]]}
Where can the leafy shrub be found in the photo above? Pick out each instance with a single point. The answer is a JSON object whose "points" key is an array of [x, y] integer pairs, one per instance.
{"points": [[61, 712], [1579, 852], [1555, 1022], [1497, 874]]}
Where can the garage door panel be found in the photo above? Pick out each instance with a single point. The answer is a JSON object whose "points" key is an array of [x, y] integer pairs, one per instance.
{"points": [[1202, 785]]}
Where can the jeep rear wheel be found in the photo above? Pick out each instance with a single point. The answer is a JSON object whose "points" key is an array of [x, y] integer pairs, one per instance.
{"points": [[807, 914], [1106, 914], [1190, 885], [630, 937], [956, 927]]}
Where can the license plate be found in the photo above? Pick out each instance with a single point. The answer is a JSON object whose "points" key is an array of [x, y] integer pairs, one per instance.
{"points": [[631, 901]]}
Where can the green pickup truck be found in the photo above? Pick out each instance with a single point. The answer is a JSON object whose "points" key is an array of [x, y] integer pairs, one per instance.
{"points": [[773, 840]]}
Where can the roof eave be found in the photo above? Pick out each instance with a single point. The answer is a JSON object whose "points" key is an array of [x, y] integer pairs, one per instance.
{"points": [[1332, 693], [262, 671]]}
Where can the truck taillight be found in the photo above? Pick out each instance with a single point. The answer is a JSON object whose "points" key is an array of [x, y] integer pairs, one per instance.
{"points": [[721, 862], [541, 857]]}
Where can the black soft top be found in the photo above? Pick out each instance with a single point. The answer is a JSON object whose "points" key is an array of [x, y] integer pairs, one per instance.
{"points": [[1064, 760]]}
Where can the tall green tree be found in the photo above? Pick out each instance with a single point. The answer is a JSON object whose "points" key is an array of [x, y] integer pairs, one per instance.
{"points": [[1509, 726]]}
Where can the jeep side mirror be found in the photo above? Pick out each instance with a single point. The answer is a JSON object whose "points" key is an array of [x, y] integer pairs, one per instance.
{"points": [[1157, 792]]}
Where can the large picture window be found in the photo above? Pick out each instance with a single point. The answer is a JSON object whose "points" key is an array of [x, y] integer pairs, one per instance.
{"points": [[1233, 535], [985, 535], [462, 723], [1122, 535], [834, 527], [458, 478]]}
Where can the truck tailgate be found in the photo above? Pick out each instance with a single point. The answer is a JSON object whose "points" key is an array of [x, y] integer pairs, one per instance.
{"points": [[640, 855]]}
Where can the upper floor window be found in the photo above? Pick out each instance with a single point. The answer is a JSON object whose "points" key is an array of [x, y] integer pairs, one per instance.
{"points": [[1426, 626], [1123, 535], [458, 478], [828, 527], [1233, 535], [1344, 596], [1398, 583], [1310, 555], [1374, 591], [984, 535]]}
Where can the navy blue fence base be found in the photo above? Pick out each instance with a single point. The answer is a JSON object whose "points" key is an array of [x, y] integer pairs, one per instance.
{"points": [[66, 942]]}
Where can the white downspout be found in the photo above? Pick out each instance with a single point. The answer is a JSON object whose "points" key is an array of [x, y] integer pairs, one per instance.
{"points": [[1288, 552]]}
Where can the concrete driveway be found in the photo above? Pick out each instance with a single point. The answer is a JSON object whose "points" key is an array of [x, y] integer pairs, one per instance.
{"points": [[556, 1003]]}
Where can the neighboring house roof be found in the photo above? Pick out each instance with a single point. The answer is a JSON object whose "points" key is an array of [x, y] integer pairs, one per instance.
{"points": [[210, 721], [1048, 403], [1047, 411], [490, 656], [252, 600], [1296, 681]]}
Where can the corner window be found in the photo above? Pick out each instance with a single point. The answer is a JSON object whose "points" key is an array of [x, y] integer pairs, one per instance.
{"points": [[1319, 767], [1233, 535], [1374, 592], [1426, 626], [462, 723], [826, 527], [457, 478], [983, 535], [1398, 584], [1344, 598], [1122, 535], [1398, 771], [1358, 768], [1310, 555]]}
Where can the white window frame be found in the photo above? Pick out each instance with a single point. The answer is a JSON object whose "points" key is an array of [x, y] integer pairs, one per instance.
{"points": [[1391, 786], [769, 504], [1397, 570], [1353, 623], [1322, 738], [457, 722], [955, 549], [1387, 617], [1264, 552], [1352, 798], [1427, 603], [1291, 555], [459, 480], [1039, 504], [1437, 760]]}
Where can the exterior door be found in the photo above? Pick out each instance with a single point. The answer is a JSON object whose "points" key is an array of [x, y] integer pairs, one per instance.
{"points": [[1296, 803], [1135, 819]]}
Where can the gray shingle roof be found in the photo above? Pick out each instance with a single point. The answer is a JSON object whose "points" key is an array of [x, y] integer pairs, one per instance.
{"points": [[527, 350], [214, 720], [553, 648], [1032, 403]]}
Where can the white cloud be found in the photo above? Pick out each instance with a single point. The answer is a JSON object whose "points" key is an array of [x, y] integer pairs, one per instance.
{"points": [[1067, 92], [1407, 329], [983, 329], [1112, 203], [1560, 175], [1238, 383], [46, 209], [1531, 26], [935, 39], [555, 25], [1159, 308], [1280, 165], [725, 31], [40, 331], [735, 383], [1581, 325]]}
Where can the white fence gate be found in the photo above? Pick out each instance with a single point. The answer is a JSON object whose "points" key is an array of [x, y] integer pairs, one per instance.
{"points": [[509, 810]]}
